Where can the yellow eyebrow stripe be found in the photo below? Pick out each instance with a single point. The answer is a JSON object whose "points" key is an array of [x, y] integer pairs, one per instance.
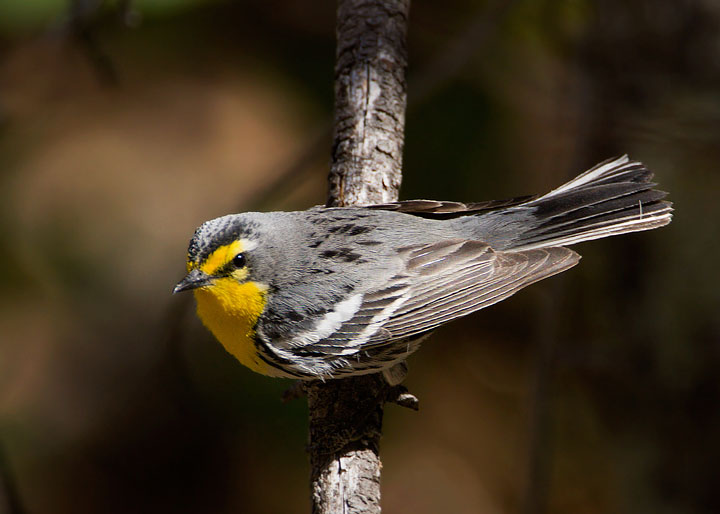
{"points": [[221, 256]]}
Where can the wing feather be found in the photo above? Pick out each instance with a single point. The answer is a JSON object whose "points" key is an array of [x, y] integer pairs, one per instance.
{"points": [[511, 273], [444, 210], [441, 282]]}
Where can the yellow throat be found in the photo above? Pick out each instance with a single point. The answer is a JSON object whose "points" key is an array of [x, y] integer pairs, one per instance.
{"points": [[231, 306]]}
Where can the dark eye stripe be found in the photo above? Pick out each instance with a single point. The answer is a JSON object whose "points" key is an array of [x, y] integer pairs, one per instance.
{"points": [[231, 266]]}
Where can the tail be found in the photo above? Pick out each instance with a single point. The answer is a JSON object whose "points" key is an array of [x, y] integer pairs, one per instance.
{"points": [[614, 197]]}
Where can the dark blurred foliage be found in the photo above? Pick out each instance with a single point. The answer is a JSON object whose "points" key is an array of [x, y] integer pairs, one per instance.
{"points": [[124, 125]]}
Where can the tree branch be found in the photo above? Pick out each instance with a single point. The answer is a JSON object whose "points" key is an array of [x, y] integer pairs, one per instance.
{"points": [[370, 98]]}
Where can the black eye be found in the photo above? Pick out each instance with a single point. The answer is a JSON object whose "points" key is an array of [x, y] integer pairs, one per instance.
{"points": [[239, 260]]}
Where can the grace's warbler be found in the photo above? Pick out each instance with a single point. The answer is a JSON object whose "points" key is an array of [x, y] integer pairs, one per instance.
{"points": [[331, 292]]}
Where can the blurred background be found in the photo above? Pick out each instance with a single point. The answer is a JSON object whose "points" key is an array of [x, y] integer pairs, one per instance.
{"points": [[125, 124]]}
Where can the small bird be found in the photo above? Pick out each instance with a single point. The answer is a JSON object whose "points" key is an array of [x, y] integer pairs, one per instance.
{"points": [[333, 292]]}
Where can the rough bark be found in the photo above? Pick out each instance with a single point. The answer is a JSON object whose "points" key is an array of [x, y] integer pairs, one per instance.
{"points": [[370, 99], [345, 429]]}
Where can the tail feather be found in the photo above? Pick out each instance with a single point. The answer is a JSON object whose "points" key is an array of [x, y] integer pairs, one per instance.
{"points": [[619, 169], [646, 201], [614, 197]]}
